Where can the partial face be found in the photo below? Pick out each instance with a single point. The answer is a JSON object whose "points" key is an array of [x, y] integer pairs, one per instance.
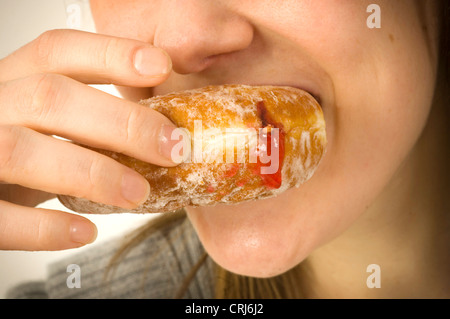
{"points": [[375, 87]]}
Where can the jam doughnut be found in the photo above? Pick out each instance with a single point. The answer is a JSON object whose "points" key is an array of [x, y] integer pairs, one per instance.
{"points": [[239, 143]]}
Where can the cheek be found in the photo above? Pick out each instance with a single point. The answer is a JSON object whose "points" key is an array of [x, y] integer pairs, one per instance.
{"points": [[383, 83], [382, 101]]}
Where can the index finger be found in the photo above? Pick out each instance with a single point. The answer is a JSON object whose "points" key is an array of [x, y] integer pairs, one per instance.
{"points": [[58, 105], [89, 58]]}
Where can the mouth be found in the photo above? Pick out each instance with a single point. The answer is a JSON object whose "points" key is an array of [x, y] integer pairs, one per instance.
{"points": [[304, 83]]}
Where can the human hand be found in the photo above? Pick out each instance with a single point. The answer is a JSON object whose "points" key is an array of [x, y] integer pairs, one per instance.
{"points": [[44, 92]]}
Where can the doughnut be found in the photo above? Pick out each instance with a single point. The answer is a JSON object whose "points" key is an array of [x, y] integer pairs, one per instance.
{"points": [[236, 143]]}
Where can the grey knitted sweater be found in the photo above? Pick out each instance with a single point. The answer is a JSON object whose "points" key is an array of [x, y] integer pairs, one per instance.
{"points": [[154, 269]]}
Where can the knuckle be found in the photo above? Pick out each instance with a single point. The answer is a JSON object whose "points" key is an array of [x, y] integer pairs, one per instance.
{"points": [[109, 52], [44, 47], [44, 93], [129, 125], [43, 229], [93, 173], [134, 127]]}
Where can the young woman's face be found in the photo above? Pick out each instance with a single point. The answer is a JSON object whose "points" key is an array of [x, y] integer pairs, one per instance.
{"points": [[375, 86]]}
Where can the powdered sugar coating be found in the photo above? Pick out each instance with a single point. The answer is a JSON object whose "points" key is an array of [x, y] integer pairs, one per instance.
{"points": [[221, 107]]}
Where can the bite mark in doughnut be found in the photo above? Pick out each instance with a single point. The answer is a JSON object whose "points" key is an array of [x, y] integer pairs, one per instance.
{"points": [[271, 180], [289, 120]]}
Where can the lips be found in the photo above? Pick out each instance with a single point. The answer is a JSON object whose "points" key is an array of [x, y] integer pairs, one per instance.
{"points": [[307, 84]]}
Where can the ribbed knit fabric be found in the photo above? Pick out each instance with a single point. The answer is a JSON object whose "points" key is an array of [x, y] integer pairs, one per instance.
{"points": [[154, 269]]}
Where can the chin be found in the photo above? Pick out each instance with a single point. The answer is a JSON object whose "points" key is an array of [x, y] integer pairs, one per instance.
{"points": [[262, 238]]}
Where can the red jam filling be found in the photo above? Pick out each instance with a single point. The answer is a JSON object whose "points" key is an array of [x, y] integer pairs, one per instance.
{"points": [[232, 170], [270, 180], [273, 180]]}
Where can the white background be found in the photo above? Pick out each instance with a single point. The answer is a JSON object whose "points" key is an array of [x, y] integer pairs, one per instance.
{"points": [[20, 22]]}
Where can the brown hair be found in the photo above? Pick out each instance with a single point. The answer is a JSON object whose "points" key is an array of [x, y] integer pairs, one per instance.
{"points": [[445, 40], [287, 285]]}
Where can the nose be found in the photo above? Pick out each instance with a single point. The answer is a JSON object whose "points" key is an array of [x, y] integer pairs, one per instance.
{"points": [[195, 33]]}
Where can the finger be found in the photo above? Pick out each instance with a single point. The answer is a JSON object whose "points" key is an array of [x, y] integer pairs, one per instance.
{"points": [[24, 228], [58, 105], [42, 162], [89, 58]]}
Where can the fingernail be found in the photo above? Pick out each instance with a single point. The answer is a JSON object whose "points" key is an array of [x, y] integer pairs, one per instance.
{"points": [[174, 144], [82, 231], [135, 188], [152, 61]]}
